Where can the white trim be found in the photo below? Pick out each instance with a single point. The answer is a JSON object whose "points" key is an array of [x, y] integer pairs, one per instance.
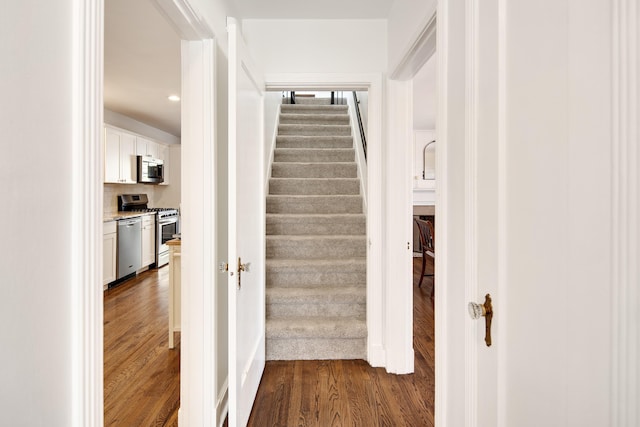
{"points": [[471, 208], [376, 350], [222, 404], [359, 149], [186, 21], [423, 48], [625, 237], [500, 305], [442, 213], [399, 228], [198, 341], [86, 252], [272, 151]]}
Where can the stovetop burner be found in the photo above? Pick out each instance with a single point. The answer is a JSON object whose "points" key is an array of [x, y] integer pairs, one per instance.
{"points": [[138, 203]]}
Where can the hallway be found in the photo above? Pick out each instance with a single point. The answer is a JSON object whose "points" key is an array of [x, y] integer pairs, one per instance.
{"points": [[350, 392]]}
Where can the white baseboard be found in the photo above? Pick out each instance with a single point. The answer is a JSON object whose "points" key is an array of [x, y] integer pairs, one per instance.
{"points": [[222, 405]]}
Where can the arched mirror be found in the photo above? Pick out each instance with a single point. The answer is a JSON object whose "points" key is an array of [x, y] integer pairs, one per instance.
{"points": [[429, 161]]}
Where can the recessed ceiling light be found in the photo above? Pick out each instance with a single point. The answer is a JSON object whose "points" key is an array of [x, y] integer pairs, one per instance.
{"points": [[174, 98]]}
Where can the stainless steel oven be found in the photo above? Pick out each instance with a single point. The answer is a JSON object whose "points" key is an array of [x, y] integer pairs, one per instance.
{"points": [[168, 222]]}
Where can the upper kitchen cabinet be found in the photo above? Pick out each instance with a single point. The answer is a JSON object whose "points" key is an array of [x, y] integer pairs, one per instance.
{"points": [[145, 147], [120, 157]]}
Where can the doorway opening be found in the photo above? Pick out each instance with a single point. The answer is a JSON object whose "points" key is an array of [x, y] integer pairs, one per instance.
{"points": [[142, 120]]}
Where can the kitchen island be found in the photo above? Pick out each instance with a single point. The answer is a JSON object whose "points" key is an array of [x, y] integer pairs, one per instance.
{"points": [[175, 247]]}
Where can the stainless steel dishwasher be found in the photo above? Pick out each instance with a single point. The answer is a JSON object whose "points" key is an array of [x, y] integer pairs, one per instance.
{"points": [[129, 246]]}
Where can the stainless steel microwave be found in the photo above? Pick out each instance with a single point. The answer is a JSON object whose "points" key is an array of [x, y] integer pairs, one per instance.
{"points": [[150, 170]]}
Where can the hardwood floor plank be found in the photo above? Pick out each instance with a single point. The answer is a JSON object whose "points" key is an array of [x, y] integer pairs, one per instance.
{"points": [[141, 373]]}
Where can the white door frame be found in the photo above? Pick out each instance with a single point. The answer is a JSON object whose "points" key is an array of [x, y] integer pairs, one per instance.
{"points": [[372, 83], [198, 115], [625, 213]]}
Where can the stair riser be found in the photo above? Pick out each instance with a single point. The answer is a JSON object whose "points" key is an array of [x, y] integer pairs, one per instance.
{"points": [[313, 248], [313, 187], [314, 170], [312, 309], [316, 349], [314, 130], [311, 156], [314, 205], [314, 142], [311, 119]]}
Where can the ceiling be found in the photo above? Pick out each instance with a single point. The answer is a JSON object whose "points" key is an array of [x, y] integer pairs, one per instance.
{"points": [[142, 50], [141, 64]]}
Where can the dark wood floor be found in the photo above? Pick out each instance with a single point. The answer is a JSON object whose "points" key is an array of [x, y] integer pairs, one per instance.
{"points": [[351, 393], [141, 374]]}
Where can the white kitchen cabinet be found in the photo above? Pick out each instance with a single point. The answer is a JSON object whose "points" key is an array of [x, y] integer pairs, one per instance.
{"points": [[164, 154], [148, 240], [145, 147], [120, 157], [109, 247]]}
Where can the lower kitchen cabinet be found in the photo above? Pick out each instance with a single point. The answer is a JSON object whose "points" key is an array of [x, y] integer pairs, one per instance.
{"points": [[148, 240], [109, 252]]}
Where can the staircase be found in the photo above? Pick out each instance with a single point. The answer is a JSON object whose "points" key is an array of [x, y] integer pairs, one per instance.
{"points": [[316, 238]]}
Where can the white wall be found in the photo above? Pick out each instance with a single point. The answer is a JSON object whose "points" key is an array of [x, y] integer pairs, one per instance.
{"points": [[35, 186], [125, 122], [425, 96], [169, 196], [407, 18], [317, 46]]}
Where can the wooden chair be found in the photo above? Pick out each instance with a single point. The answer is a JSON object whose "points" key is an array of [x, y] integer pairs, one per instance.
{"points": [[427, 242]]}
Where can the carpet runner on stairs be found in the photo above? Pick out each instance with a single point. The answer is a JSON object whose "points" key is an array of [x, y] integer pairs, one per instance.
{"points": [[316, 238]]}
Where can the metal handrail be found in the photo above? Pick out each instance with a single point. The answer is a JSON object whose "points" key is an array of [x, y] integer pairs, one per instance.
{"points": [[363, 135]]}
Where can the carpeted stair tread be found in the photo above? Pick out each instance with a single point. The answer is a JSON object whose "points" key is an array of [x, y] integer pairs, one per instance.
{"points": [[320, 119], [314, 170], [315, 246], [319, 109], [316, 327], [310, 204], [318, 294], [314, 155], [314, 141], [301, 224], [314, 186], [311, 100], [297, 273], [314, 130], [336, 301]]}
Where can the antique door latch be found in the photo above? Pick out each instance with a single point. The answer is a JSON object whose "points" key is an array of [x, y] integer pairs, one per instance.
{"points": [[485, 310]]}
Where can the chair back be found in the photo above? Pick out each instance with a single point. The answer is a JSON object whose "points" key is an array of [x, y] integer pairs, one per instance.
{"points": [[427, 238]]}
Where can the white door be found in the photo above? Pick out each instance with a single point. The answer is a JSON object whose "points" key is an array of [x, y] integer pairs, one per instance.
{"points": [[526, 114], [246, 230]]}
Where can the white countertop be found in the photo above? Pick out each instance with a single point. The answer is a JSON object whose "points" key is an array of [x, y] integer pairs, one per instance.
{"points": [[114, 216]]}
